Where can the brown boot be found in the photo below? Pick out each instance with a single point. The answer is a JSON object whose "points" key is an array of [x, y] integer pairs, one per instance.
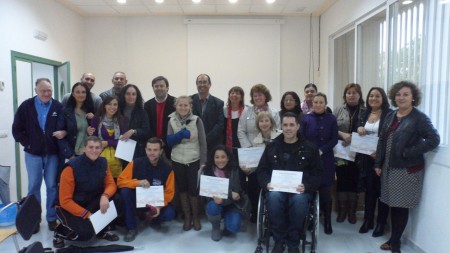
{"points": [[342, 206], [184, 200], [195, 212], [352, 203]]}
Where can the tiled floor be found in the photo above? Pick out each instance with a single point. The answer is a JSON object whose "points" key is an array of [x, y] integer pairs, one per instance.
{"points": [[171, 239]]}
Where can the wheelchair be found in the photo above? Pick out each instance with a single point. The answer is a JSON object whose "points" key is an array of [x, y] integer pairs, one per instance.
{"points": [[310, 230]]}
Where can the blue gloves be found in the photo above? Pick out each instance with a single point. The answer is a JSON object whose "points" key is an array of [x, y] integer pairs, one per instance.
{"points": [[175, 139]]}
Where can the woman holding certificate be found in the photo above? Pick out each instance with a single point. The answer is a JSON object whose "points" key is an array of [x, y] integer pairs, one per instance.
{"points": [[320, 127], [221, 165], [247, 131], [347, 173], [406, 135], [370, 124], [109, 125], [131, 106], [186, 136]]}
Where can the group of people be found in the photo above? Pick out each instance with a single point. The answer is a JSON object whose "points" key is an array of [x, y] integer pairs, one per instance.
{"points": [[72, 146]]}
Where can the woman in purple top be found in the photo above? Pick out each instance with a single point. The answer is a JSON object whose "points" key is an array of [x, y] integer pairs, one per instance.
{"points": [[320, 127], [109, 125]]}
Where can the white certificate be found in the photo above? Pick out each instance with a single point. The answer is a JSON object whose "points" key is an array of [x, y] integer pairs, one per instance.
{"points": [[366, 144], [286, 181], [100, 220], [214, 187], [344, 152], [154, 196], [249, 157], [125, 149]]}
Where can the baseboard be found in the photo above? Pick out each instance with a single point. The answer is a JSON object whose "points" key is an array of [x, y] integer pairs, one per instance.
{"points": [[413, 246]]}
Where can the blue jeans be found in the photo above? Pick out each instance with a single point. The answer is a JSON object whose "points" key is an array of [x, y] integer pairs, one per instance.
{"points": [[128, 195], [287, 213], [232, 218], [46, 167]]}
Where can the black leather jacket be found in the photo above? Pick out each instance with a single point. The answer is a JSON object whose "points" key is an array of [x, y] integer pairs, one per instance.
{"points": [[413, 138], [304, 157]]}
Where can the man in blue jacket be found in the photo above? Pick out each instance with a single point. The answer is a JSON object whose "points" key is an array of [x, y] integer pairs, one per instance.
{"points": [[34, 127]]}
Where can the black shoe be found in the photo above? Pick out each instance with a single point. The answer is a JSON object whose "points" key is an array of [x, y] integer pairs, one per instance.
{"points": [[52, 225], [131, 235], [108, 236], [294, 250], [379, 230], [278, 247], [366, 226], [253, 218], [58, 242], [327, 228]]}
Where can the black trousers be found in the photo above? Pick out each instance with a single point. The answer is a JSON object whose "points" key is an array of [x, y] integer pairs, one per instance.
{"points": [[186, 177], [347, 177]]}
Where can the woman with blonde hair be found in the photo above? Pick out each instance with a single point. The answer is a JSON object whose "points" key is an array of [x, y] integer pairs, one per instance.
{"points": [[186, 136]]}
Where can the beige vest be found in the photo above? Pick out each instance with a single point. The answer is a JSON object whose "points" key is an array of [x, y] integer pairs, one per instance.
{"points": [[188, 150]]}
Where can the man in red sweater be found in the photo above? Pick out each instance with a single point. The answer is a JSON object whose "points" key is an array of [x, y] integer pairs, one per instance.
{"points": [[86, 186], [147, 172]]}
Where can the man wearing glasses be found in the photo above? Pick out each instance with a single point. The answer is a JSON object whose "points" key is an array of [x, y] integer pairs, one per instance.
{"points": [[210, 110], [34, 127], [89, 79]]}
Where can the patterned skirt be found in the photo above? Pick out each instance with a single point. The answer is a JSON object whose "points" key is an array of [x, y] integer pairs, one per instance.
{"points": [[399, 188]]}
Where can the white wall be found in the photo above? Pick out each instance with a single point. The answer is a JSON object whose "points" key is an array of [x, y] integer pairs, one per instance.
{"points": [[19, 20], [145, 47], [428, 227]]}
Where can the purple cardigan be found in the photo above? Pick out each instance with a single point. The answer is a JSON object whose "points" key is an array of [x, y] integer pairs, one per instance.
{"points": [[322, 130], [112, 142]]}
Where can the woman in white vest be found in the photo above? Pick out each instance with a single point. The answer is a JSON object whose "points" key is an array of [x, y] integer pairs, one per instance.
{"points": [[186, 136]]}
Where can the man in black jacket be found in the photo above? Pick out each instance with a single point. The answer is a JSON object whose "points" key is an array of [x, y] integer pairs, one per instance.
{"points": [[210, 110], [287, 211], [35, 128], [158, 110]]}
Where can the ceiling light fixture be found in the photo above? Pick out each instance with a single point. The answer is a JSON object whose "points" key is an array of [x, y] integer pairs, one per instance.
{"points": [[270, 1], [196, 1], [159, 1], [232, 1], [407, 2], [122, 1], [445, 2]]}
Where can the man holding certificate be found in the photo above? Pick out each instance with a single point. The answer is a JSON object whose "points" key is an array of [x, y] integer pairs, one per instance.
{"points": [[289, 152], [86, 186], [147, 172]]}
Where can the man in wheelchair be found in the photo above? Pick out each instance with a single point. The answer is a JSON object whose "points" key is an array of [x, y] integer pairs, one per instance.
{"points": [[287, 211]]}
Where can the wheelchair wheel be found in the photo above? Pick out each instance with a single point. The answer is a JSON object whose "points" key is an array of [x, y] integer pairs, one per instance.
{"points": [[262, 225], [315, 221]]}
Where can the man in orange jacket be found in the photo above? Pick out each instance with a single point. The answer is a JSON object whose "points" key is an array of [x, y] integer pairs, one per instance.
{"points": [[147, 172]]}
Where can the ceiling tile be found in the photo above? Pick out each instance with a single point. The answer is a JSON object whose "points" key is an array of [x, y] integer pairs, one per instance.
{"points": [[132, 9], [129, 2], [198, 9], [165, 9], [97, 10], [272, 9], [84, 2], [233, 9]]}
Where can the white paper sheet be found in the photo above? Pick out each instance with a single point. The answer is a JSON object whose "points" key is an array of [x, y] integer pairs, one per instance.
{"points": [[100, 220], [249, 157], [214, 187], [286, 181], [366, 144], [125, 149], [154, 195], [344, 152]]}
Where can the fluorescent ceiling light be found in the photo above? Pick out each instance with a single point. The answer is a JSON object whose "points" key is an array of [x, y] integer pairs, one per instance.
{"points": [[196, 1], [407, 2], [122, 1], [232, 1], [159, 1], [270, 1]]}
